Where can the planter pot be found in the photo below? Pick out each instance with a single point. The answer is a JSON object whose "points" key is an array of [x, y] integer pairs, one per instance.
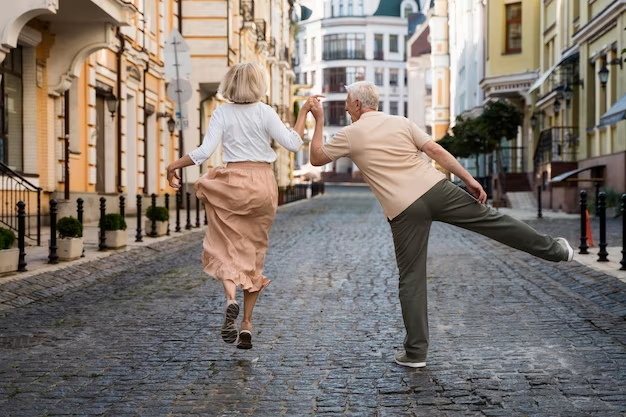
{"points": [[9, 260], [161, 228], [116, 239], [69, 248]]}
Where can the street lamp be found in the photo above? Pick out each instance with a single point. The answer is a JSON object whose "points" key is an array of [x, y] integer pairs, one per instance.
{"points": [[171, 125], [557, 106], [112, 103], [604, 75], [533, 121], [567, 93]]}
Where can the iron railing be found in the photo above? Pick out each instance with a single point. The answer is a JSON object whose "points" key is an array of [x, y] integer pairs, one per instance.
{"points": [[13, 189], [261, 30], [512, 159], [556, 144], [247, 10]]}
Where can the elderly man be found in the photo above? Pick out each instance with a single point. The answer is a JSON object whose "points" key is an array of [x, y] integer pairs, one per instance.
{"points": [[388, 151]]}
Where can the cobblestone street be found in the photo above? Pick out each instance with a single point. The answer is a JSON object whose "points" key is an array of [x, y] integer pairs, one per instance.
{"points": [[139, 335]]}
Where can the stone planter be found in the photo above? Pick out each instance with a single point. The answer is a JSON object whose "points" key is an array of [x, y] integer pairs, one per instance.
{"points": [[9, 260], [116, 239], [161, 228], [69, 248]]}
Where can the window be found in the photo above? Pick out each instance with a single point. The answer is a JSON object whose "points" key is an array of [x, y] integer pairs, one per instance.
{"points": [[11, 109], [313, 78], [406, 109], [305, 78], [336, 78], [305, 46], [359, 8], [393, 43], [313, 50], [429, 82], [393, 77], [407, 11], [335, 113], [378, 76], [350, 8], [393, 108], [429, 130], [341, 8], [154, 12], [378, 47], [381, 106], [513, 28], [344, 46]]}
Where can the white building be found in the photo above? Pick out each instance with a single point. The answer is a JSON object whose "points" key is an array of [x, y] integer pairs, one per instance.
{"points": [[343, 41]]}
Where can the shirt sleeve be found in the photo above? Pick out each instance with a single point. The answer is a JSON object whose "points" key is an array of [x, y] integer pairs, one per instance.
{"points": [[288, 138], [211, 139], [338, 146], [420, 138]]}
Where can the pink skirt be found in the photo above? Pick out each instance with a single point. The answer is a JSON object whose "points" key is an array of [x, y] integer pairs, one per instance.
{"points": [[240, 201]]}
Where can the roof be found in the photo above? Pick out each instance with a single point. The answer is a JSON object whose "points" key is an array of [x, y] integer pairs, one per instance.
{"points": [[421, 45], [389, 8]]}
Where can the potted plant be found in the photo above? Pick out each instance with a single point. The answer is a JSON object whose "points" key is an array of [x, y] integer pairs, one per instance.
{"points": [[115, 231], [160, 215], [70, 242], [9, 256]]}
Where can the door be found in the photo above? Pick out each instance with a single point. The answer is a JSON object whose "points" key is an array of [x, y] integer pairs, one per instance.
{"points": [[100, 143]]}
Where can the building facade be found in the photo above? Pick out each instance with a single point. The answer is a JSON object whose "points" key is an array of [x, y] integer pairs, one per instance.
{"points": [[339, 42]]}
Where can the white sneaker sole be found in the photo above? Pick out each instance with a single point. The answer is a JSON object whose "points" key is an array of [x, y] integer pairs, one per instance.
{"points": [[570, 251], [411, 364]]}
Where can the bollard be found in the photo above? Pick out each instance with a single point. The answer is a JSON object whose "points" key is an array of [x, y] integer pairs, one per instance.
{"points": [[179, 201], [122, 206], [188, 225], [583, 223], [623, 209], [53, 258], [197, 212], [153, 232], [138, 237], [79, 216], [602, 255], [597, 185], [103, 237], [21, 232], [167, 207], [539, 215]]}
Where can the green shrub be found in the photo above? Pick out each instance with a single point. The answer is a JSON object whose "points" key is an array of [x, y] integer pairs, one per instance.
{"points": [[69, 227], [157, 213], [7, 238], [114, 221]]}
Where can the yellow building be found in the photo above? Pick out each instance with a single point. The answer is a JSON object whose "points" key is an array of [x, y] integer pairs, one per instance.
{"points": [[512, 61], [580, 101]]}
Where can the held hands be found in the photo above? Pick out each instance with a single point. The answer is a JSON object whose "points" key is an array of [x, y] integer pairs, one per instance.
{"points": [[171, 175], [314, 105], [476, 190]]}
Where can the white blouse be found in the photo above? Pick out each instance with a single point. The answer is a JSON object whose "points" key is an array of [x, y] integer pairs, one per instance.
{"points": [[245, 131]]}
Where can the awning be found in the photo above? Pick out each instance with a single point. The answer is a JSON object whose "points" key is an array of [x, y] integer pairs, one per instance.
{"points": [[567, 57], [615, 114], [565, 176]]}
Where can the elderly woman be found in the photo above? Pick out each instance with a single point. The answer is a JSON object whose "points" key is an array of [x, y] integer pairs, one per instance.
{"points": [[241, 198]]}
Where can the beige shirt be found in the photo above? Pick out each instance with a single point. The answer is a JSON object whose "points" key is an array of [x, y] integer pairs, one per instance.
{"points": [[387, 150]]}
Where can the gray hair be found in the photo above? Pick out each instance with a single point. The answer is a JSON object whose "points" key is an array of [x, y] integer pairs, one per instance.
{"points": [[365, 92]]}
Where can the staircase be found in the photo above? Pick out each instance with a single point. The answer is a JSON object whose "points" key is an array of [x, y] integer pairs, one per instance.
{"points": [[517, 182], [13, 189]]}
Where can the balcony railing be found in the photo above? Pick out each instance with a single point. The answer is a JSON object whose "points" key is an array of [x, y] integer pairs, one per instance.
{"points": [[379, 56], [261, 30], [344, 54], [247, 10], [13, 189], [556, 144]]}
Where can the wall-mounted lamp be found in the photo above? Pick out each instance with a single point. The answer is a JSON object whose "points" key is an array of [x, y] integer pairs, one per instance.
{"points": [[604, 75], [171, 123], [112, 103], [567, 93], [533, 121], [557, 106]]}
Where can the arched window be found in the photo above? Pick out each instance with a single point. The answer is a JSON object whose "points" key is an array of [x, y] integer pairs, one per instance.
{"points": [[407, 7]]}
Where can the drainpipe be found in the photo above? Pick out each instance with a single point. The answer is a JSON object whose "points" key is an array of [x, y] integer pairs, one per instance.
{"points": [[119, 54], [180, 131], [66, 186], [145, 124]]}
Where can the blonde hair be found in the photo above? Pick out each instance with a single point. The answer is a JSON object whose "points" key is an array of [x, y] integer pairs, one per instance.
{"points": [[244, 83], [365, 92]]}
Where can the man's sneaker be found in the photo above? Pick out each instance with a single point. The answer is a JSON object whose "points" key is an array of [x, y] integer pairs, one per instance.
{"points": [[404, 360], [565, 244], [229, 328]]}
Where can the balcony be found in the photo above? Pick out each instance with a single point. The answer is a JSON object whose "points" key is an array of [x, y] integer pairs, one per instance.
{"points": [[379, 56], [343, 54], [556, 144], [247, 10]]}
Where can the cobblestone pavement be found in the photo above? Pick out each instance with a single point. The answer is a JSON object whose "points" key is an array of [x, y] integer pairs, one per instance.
{"points": [[510, 335]]}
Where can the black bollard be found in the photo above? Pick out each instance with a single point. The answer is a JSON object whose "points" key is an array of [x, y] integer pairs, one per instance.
{"points": [[153, 232], [602, 255], [583, 223], [21, 232], [79, 216], [597, 185], [138, 237], [103, 212], [122, 206], [197, 212], [167, 207], [539, 215], [53, 258], [623, 209], [179, 201], [188, 225]]}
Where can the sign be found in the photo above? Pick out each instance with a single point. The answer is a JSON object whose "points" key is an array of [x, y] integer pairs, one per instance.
{"points": [[177, 68]]}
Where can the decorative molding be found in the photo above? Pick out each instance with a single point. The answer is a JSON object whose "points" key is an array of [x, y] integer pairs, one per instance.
{"points": [[29, 37], [600, 22]]}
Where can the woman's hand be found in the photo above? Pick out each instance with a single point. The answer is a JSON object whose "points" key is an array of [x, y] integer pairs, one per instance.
{"points": [[171, 174], [317, 110], [311, 101]]}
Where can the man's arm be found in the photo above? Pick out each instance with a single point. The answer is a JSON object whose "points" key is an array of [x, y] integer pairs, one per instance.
{"points": [[316, 154], [449, 162]]}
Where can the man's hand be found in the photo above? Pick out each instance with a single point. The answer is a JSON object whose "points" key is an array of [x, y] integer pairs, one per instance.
{"points": [[476, 190], [317, 110], [311, 101]]}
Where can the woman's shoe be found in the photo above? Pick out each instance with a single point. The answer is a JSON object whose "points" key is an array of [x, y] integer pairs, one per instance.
{"points": [[229, 328], [245, 340]]}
